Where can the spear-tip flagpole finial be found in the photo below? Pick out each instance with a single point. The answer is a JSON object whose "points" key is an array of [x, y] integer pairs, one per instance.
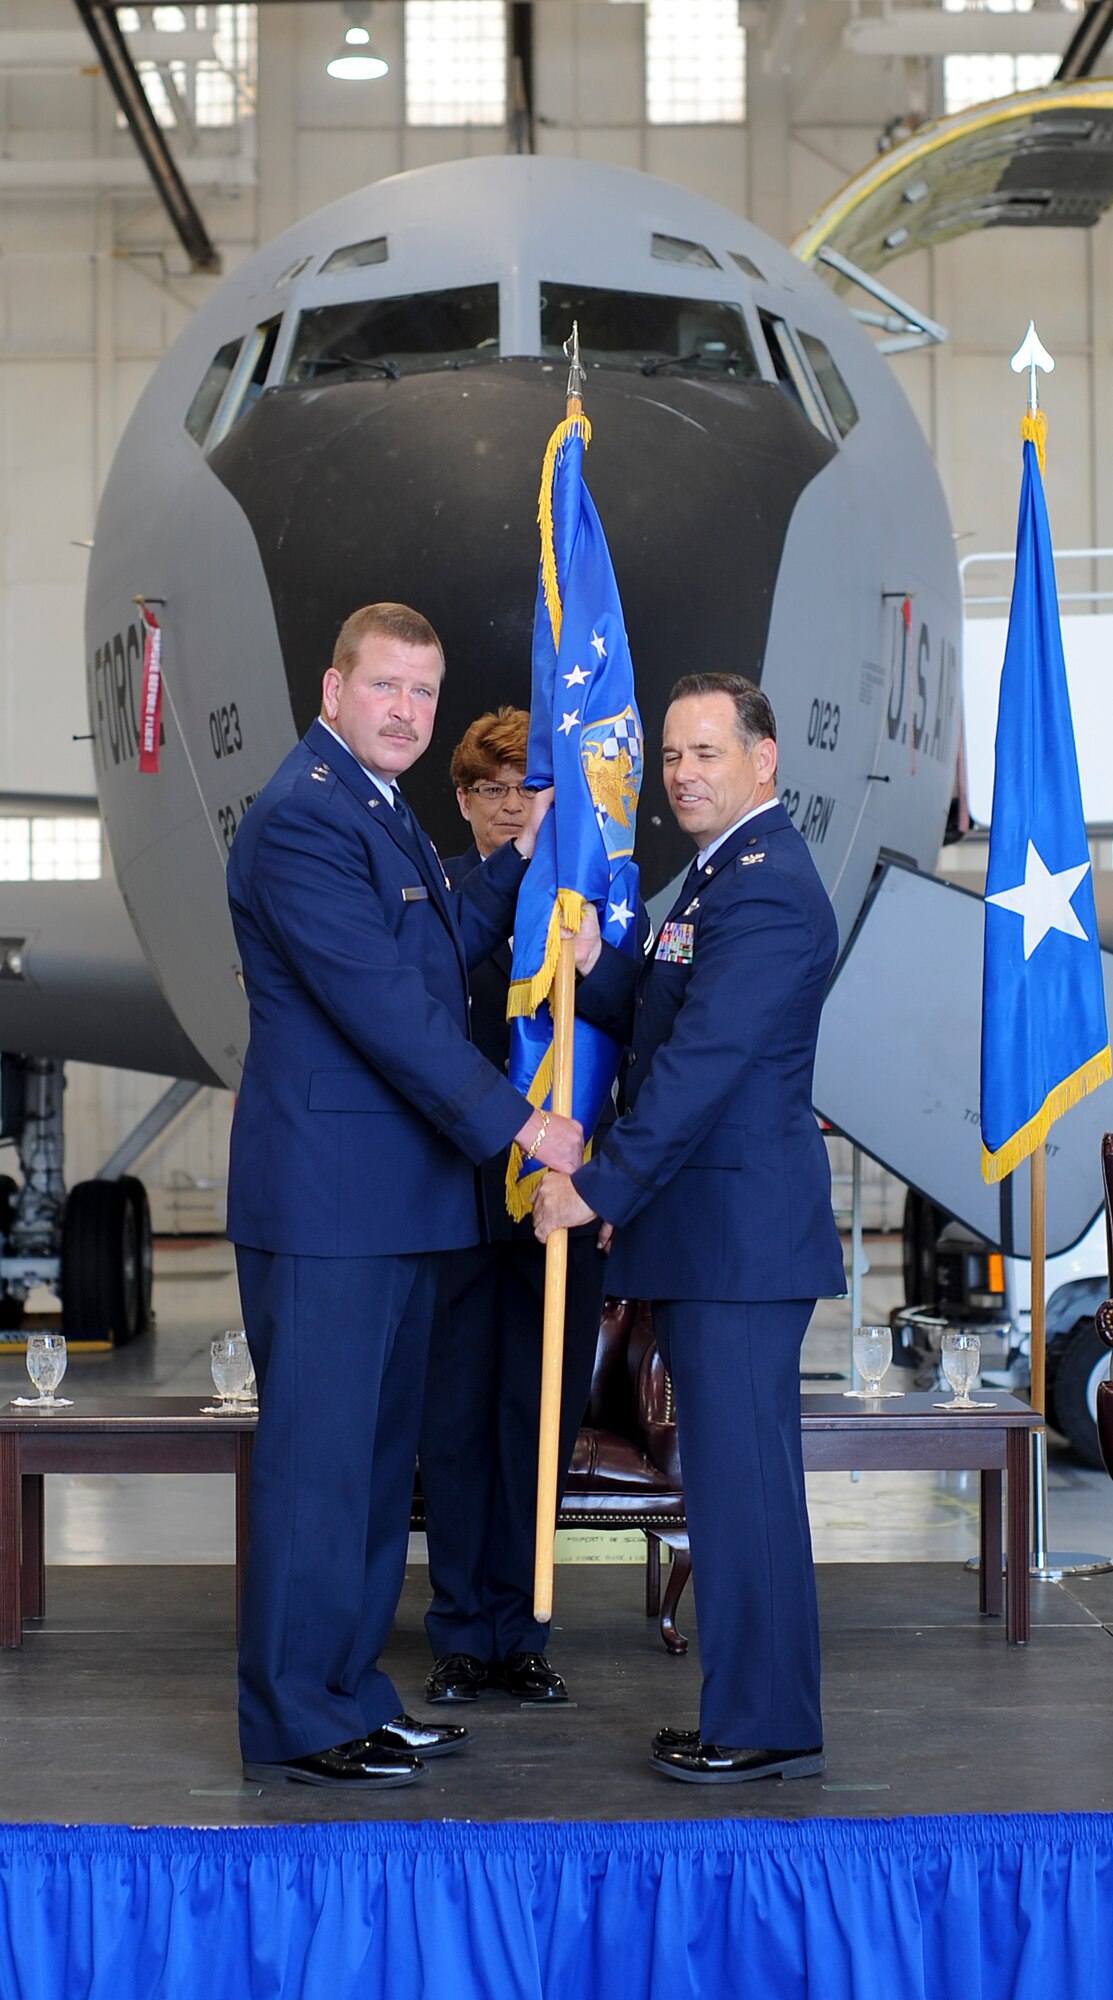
{"points": [[577, 373], [1030, 355]]}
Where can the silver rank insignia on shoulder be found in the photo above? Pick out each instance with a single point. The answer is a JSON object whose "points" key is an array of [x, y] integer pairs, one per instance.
{"points": [[747, 860], [320, 772]]}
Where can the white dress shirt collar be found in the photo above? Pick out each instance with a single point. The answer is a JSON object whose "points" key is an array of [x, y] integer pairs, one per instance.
{"points": [[704, 857]]}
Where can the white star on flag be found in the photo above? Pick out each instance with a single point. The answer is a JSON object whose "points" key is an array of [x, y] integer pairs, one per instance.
{"points": [[569, 723], [620, 913], [599, 646], [1043, 900], [577, 678]]}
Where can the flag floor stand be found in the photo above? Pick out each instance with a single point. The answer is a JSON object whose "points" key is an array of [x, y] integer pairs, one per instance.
{"points": [[1050, 1566], [1053, 1567]]}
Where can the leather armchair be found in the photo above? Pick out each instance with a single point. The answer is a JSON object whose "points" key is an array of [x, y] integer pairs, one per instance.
{"points": [[626, 1466], [1103, 1318]]}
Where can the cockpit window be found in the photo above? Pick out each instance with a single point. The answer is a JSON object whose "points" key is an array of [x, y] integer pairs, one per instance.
{"points": [[747, 264], [248, 377], [202, 410], [678, 250], [792, 376], [368, 337], [840, 402], [704, 337], [354, 256]]}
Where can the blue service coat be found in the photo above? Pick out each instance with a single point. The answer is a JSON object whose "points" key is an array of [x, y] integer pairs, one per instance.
{"points": [[716, 1175], [364, 1102]]}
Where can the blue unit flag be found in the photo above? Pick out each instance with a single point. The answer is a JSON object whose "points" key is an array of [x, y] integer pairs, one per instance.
{"points": [[1045, 1042], [585, 739]]}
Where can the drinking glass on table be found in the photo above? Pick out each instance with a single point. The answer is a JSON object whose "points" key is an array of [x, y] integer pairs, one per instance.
{"points": [[873, 1352], [962, 1354], [46, 1365], [230, 1361]]}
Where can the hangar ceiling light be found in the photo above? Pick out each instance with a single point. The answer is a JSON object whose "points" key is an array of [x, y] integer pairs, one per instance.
{"points": [[354, 61]]}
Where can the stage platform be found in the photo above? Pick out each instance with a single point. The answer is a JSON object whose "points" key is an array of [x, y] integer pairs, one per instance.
{"points": [[120, 1707]]}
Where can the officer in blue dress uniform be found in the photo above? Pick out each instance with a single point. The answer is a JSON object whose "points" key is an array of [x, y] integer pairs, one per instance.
{"points": [[716, 1185], [364, 1109], [479, 1432]]}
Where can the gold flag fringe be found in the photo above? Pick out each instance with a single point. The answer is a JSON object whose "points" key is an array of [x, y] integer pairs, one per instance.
{"points": [[525, 995], [1031, 1136], [570, 427], [520, 1193], [1033, 429]]}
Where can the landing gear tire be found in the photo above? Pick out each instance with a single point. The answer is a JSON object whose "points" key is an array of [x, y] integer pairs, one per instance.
{"points": [[919, 1247], [11, 1310], [1082, 1362], [102, 1282], [137, 1195]]}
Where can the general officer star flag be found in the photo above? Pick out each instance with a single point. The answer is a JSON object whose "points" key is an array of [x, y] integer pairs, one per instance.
{"points": [[585, 739], [1045, 1043]]}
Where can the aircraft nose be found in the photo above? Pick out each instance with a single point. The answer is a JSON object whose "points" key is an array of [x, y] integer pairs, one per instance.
{"points": [[424, 491]]}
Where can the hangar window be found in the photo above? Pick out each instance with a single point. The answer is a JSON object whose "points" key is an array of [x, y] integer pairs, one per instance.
{"points": [[203, 408], [695, 63], [969, 80], [405, 336], [686, 336], [42, 848], [792, 376], [839, 400], [354, 256], [455, 62]]}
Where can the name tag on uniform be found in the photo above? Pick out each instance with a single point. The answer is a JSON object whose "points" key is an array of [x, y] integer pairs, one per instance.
{"points": [[420, 895], [674, 946]]}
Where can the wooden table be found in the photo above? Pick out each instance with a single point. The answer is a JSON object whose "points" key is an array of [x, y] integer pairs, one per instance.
{"points": [[909, 1434], [168, 1434], [110, 1435]]}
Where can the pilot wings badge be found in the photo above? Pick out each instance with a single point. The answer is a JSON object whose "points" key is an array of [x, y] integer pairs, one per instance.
{"points": [[611, 753]]}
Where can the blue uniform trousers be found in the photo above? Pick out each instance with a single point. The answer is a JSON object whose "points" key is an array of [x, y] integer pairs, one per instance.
{"points": [[339, 1346], [479, 1435], [736, 1376]]}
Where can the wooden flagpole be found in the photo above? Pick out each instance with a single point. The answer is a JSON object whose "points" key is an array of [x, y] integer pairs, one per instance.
{"points": [[556, 1248], [556, 1280]]}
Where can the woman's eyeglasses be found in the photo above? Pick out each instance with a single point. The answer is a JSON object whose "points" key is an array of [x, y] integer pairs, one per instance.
{"points": [[493, 792]]}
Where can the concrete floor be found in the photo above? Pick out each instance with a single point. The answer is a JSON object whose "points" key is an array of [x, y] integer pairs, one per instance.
{"points": [[881, 1517]]}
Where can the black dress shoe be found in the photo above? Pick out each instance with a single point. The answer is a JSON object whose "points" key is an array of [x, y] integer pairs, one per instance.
{"points": [[354, 1766], [528, 1677], [456, 1677], [414, 1739], [699, 1763]]}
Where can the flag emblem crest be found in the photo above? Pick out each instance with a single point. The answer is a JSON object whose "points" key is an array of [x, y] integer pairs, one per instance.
{"points": [[611, 754]]}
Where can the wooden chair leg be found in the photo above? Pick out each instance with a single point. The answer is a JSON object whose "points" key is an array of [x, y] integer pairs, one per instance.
{"points": [[33, 1563], [680, 1569], [652, 1574]]}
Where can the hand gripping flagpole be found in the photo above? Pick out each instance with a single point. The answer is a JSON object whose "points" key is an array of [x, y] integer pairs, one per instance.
{"points": [[563, 1002]]}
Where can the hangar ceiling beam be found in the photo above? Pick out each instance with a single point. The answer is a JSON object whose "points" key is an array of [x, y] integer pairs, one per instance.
{"points": [[98, 18]]}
